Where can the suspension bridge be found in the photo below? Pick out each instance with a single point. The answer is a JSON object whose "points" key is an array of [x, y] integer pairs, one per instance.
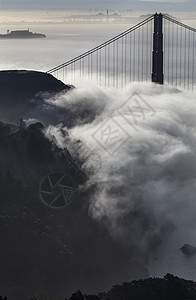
{"points": [[158, 49]]}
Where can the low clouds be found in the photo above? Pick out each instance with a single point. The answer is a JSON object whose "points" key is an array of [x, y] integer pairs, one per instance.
{"points": [[144, 190]]}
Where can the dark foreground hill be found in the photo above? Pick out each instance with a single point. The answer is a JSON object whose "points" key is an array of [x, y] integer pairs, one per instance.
{"points": [[12, 82], [49, 250], [22, 91], [49, 243]]}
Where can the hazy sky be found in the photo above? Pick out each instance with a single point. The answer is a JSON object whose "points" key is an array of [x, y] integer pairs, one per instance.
{"points": [[188, 5]]}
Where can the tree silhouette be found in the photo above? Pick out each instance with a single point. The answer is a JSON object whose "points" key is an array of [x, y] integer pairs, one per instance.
{"points": [[168, 288]]}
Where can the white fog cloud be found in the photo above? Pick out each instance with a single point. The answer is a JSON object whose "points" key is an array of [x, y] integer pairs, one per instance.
{"points": [[144, 191]]}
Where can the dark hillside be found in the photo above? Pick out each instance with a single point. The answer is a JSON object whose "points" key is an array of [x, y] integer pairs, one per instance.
{"points": [[22, 91]]}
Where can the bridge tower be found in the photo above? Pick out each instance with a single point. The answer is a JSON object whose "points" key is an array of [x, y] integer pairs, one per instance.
{"points": [[157, 53]]}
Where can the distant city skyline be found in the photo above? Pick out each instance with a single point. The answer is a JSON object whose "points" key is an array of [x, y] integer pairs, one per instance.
{"points": [[156, 5]]}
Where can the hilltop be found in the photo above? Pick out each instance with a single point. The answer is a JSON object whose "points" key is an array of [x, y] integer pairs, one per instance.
{"points": [[21, 91]]}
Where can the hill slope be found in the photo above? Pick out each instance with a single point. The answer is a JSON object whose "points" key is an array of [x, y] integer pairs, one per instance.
{"points": [[22, 91]]}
